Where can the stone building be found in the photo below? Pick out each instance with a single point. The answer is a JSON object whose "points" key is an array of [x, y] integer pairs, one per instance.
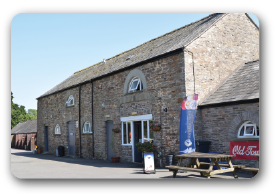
{"points": [[134, 87], [222, 116], [23, 135]]}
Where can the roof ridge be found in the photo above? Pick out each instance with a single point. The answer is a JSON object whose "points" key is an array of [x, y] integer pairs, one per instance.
{"points": [[149, 41]]}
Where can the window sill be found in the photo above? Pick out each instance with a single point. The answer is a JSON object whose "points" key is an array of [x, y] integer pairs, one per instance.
{"points": [[126, 144], [69, 106], [129, 93], [86, 133]]}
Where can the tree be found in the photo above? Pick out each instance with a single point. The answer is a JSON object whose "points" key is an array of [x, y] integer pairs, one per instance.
{"points": [[32, 113], [18, 113]]}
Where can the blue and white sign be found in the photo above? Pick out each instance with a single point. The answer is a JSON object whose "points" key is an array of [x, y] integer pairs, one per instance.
{"points": [[187, 119]]}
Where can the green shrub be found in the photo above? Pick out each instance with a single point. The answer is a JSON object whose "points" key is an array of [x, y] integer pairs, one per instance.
{"points": [[146, 147]]}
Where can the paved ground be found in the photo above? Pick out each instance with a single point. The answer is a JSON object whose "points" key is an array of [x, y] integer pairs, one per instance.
{"points": [[26, 165]]}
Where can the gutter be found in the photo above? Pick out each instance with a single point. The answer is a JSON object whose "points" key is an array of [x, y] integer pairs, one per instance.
{"points": [[254, 100]]}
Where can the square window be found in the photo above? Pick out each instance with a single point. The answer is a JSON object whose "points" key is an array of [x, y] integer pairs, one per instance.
{"points": [[124, 133], [70, 101], [57, 129], [249, 130], [87, 128], [134, 85]]}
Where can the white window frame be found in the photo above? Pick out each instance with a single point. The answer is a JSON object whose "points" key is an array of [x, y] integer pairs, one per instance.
{"points": [[127, 130], [89, 129], [70, 101], [148, 130], [245, 135], [132, 81], [55, 130]]}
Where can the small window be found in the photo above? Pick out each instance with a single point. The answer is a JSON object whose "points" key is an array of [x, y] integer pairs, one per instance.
{"points": [[135, 85], [248, 130], [57, 129], [126, 133], [87, 128], [70, 101]]}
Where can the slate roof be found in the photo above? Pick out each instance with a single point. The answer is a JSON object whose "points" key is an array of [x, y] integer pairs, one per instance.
{"points": [[156, 47], [243, 84], [29, 126]]}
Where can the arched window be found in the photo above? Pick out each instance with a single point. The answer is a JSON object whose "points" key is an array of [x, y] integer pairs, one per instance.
{"points": [[70, 101], [57, 129], [87, 127], [135, 85], [248, 130]]}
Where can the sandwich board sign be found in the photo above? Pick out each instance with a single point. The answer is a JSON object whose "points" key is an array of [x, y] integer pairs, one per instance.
{"points": [[149, 163]]}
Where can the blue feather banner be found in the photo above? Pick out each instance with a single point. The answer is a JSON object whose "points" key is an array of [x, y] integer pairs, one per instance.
{"points": [[187, 120]]}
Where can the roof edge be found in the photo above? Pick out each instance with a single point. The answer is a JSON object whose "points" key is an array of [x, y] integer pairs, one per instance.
{"points": [[229, 103], [176, 51], [206, 29], [152, 40]]}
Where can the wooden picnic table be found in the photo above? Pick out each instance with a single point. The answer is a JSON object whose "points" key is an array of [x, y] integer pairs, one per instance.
{"points": [[205, 172], [254, 171]]}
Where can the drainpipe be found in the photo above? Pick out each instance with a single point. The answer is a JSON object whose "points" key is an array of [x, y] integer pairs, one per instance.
{"points": [[193, 66], [79, 126], [93, 119]]}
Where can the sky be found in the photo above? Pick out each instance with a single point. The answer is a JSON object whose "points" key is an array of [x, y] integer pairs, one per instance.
{"points": [[47, 48]]}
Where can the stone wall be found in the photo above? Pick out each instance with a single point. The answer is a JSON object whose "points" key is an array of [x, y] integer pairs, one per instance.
{"points": [[52, 110], [86, 116], [165, 88], [220, 125], [227, 45]]}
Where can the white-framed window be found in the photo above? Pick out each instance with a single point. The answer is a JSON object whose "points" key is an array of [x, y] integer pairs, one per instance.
{"points": [[126, 133], [147, 134], [87, 128], [70, 101], [135, 85], [248, 130], [57, 129]]}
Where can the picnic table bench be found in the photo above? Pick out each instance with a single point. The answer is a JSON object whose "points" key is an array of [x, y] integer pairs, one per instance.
{"points": [[205, 172], [254, 171]]}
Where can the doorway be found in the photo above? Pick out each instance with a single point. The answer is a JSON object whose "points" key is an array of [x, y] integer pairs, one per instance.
{"points": [[46, 139], [71, 138], [109, 127], [137, 138]]}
